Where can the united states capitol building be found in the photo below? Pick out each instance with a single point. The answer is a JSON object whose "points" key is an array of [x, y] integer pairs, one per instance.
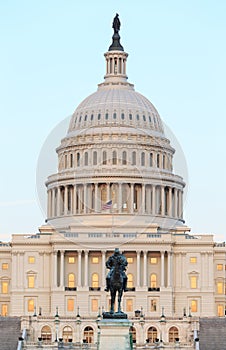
{"points": [[115, 187]]}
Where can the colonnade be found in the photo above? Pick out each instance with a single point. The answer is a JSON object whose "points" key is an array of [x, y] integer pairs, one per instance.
{"points": [[140, 269], [126, 198]]}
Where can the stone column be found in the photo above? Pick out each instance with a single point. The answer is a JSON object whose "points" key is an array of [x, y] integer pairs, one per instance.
{"points": [[162, 200], [103, 267], [119, 197], [153, 209], [14, 270], [53, 202], [169, 269], [62, 268], [79, 268], [58, 201], [65, 200], [54, 269], [96, 197], [145, 268], [85, 198], [21, 275], [143, 198], [49, 204], [131, 198], [170, 202], [74, 199], [86, 268], [162, 270], [138, 268], [108, 191], [175, 203]]}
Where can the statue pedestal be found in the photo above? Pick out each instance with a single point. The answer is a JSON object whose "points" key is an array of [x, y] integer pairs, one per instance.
{"points": [[114, 334]]}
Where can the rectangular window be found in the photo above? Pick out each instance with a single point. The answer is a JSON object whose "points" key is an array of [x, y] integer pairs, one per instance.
{"points": [[194, 307], [95, 260], [4, 310], [129, 305], [219, 267], [31, 281], [153, 305], [220, 286], [70, 305], [220, 310], [31, 305], [71, 260], [193, 282], [5, 287], [153, 260], [193, 260], [130, 260], [31, 259], [94, 305], [5, 266]]}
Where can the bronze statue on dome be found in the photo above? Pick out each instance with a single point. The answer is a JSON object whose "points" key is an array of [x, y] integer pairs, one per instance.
{"points": [[116, 24]]}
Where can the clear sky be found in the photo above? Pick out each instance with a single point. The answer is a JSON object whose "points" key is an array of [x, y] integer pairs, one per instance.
{"points": [[52, 58]]}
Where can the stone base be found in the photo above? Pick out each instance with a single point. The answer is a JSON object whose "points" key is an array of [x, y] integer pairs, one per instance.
{"points": [[114, 334], [115, 315]]}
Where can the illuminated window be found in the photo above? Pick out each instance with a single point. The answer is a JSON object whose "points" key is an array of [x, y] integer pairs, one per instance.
{"points": [[193, 282], [5, 287], [220, 310], [46, 335], [88, 335], [95, 260], [4, 310], [153, 280], [31, 305], [71, 259], [70, 304], [220, 286], [67, 334], [152, 334], [129, 305], [194, 306], [31, 259], [95, 280], [5, 266], [71, 280], [133, 333], [219, 267], [193, 260], [153, 260], [130, 280], [153, 305], [130, 260], [31, 281], [94, 305], [173, 334]]}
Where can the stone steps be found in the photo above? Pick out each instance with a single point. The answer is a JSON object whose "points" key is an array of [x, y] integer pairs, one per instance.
{"points": [[10, 331], [212, 333]]}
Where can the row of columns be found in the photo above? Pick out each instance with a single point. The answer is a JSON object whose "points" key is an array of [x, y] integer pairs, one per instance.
{"points": [[83, 269], [126, 198]]}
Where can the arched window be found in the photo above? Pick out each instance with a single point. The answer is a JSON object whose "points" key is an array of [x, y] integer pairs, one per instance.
{"points": [[144, 118], [152, 334], [122, 116], [65, 161], [124, 158], [95, 158], [114, 158], [86, 158], [153, 280], [91, 118], [138, 117], [173, 334], [85, 117], [95, 280], [130, 117], [158, 161], [142, 159], [134, 158], [106, 116], [163, 161], [78, 159], [114, 116], [46, 335], [67, 334], [104, 157], [133, 333], [151, 159], [130, 280], [88, 335], [98, 117], [71, 280], [71, 160]]}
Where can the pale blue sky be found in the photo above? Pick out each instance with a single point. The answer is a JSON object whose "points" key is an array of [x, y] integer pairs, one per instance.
{"points": [[52, 58]]}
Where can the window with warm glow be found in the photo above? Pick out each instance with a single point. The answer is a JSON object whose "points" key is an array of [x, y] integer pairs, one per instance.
{"points": [[94, 305], [31, 259], [5, 287], [70, 305], [71, 259], [95, 260], [130, 260], [4, 310], [193, 260], [5, 266], [194, 306], [153, 260], [219, 267], [220, 286], [129, 305], [153, 280], [153, 305], [130, 280], [95, 280], [31, 305], [71, 280], [193, 282], [31, 281], [220, 310]]}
